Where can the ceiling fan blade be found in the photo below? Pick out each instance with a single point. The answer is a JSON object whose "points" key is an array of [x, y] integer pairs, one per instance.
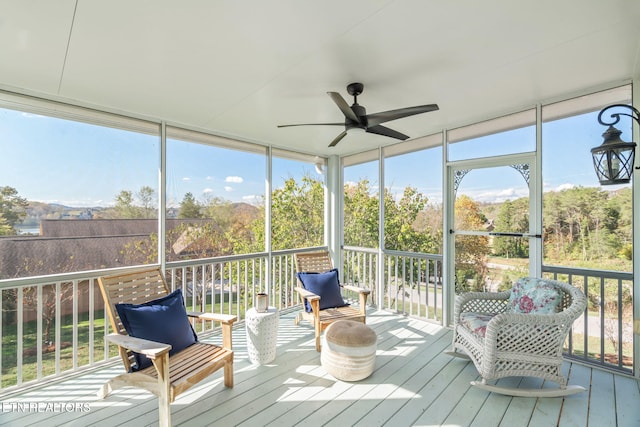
{"points": [[385, 131], [343, 106], [386, 116], [337, 139], [312, 124]]}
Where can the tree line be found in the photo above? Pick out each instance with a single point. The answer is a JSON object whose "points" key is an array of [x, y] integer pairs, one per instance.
{"points": [[581, 225]]}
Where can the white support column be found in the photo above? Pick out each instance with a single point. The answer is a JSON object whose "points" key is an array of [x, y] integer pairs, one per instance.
{"points": [[268, 185], [448, 244], [380, 263], [333, 210], [535, 202], [162, 197], [636, 235]]}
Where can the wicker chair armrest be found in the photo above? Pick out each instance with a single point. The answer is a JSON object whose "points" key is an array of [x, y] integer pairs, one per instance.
{"points": [[480, 302], [506, 331], [151, 349]]}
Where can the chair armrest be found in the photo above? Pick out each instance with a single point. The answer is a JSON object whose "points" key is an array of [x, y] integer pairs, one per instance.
{"points": [[508, 331], [226, 319], [309, 296], [480, 302], [151, 349], [357, 289]]}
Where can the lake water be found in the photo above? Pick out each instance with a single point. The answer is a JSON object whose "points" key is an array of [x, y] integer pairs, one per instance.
{"points": [[28, 230]]}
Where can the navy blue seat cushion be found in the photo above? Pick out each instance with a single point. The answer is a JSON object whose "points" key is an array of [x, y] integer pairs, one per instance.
{"points": [[162, 320], [326, 285]]}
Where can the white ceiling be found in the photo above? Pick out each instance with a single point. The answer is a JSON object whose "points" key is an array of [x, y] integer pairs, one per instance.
{"points": [[240, 68]]}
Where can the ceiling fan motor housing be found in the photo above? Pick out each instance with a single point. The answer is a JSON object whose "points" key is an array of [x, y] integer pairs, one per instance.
{"points": [[359, 111]]}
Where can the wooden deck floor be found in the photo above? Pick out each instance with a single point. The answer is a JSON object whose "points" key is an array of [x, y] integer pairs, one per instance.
{"points": [[414, 384]]}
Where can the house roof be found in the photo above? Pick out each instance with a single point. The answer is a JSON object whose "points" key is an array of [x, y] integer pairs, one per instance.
{"points": [[240, 68], [76, 244]]}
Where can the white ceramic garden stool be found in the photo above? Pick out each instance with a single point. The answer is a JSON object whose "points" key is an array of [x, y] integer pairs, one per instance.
{"points": [[262, 335], [349, 350]]}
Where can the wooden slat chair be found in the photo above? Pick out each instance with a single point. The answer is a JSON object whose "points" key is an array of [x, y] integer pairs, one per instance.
{"points": [[321, 319], [168, 376]]}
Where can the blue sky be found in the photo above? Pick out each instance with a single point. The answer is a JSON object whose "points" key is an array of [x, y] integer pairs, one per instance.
{"points": [[566, 162], [83, 165]]}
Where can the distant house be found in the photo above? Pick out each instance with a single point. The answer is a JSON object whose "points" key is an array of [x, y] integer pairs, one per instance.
{"points": [[66, 245]]}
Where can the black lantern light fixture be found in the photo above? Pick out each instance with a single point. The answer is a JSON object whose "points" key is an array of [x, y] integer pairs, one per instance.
{"points": [[613, 160]]}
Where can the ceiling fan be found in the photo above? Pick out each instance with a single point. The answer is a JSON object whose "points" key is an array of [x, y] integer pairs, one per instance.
{"points": [[356, 117]]}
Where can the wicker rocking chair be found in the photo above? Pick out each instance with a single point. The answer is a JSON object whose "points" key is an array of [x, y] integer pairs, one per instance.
{"points": [[502, 343]]}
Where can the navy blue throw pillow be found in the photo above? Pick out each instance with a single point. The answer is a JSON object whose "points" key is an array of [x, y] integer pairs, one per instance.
{"points": [[326, 285], [162, 320]]}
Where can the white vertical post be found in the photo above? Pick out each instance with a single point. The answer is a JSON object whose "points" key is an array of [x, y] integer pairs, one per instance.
{"points": [[380, 263], [162, 197], [535, 202], [448, 244], [334, 211], [268, 184], [636, 238]]}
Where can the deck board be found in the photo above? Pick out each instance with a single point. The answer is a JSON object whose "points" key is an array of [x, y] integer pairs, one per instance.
{"points": [[414, 383]]}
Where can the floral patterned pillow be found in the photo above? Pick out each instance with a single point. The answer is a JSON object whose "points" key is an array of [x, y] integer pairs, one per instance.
{"points": [[532, 295]]}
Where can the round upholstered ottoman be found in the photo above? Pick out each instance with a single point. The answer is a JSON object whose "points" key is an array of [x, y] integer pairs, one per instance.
{"points": [[349, 350]]}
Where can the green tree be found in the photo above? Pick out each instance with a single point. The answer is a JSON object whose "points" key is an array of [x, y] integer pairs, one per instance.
{"points": [[13, 209], [512, 217], [361, 215], [124, 207], [471, 251], [5, 228], [401, 228], [297, 210], [130, 205], [148, 202], [189, 207], [586, 225]]}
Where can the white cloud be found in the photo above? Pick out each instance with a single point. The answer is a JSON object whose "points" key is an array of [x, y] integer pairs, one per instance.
{"points": [[251, 198], [186, 178], [209, 178], [498, 196], [566, 186], [207, 190], [228, 188], [234, 179]]}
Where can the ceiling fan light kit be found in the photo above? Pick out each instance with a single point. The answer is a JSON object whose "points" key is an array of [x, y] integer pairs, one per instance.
{"points": [[356, 118]]}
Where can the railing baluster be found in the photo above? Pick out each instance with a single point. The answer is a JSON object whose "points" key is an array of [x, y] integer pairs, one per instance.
{"points": [[19, 334], [92, 320], [39, 338], [58, 332], [74, 332]]}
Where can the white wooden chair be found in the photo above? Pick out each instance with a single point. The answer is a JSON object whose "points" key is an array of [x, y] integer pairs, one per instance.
{"points": [[516, 344], [168, 376]]}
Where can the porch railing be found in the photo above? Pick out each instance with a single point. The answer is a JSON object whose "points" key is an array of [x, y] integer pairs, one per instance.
{"points": [[604, 334], [55, 325], [411, 282]]}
